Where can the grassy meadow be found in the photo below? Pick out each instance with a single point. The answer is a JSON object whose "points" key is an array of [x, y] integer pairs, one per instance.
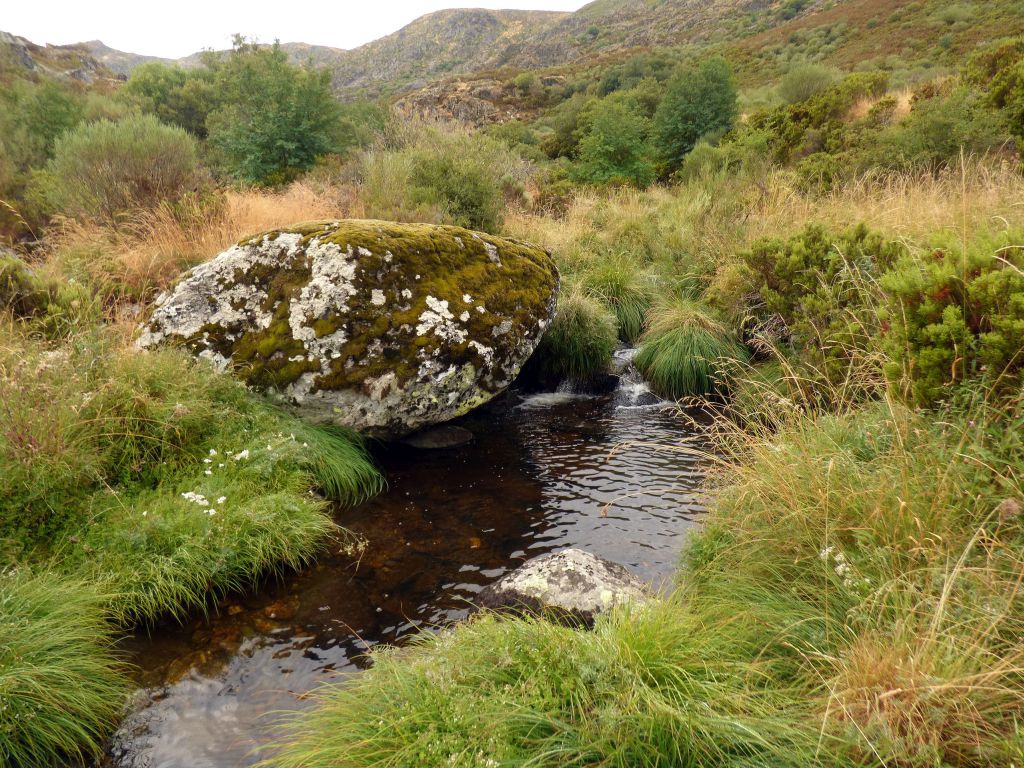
{"points": [[829, 263]]}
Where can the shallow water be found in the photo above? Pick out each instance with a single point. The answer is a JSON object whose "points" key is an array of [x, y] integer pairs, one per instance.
{"points": [[544, 472]]}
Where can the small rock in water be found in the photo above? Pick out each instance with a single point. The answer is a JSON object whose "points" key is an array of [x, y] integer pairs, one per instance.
{"points": [[571, 585], [446, 436]]}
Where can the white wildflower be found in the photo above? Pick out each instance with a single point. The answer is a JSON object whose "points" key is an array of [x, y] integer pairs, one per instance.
{"points": [[242, 455], [222, 499]]}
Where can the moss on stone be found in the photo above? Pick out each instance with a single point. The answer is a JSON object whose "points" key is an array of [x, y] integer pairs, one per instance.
{"points": [[386, 326]]}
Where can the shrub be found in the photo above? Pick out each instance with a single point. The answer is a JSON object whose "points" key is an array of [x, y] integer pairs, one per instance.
{"points": [[958, 314], [999, 70], [805, 81], [799, 129], [274, 119], [176, 96], [685, 351], [104, 169], [453, 176], [822, 287], [615, 146], [697, 102], [61, 686], [936, 132], [579, 343]]}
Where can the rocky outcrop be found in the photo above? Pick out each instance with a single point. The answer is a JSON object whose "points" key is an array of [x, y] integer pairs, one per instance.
{"points": [[381, 327], [570, 585]]}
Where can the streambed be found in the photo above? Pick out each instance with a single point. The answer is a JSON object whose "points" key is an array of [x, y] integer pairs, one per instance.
{"points": [[544, 472]]}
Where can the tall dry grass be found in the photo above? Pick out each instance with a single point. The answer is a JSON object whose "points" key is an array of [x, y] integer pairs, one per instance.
{"points": [[704, 220], [150, 249]]}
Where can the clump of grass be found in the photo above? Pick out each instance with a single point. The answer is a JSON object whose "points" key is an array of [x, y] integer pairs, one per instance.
{"points": [[623, 288], [900, 530], [655, 685], [61, 686], [685, 349], [158, 478], [579, 343]]}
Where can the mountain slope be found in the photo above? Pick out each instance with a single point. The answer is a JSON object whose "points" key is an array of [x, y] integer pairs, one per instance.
{"points": [[118, 62], [446, 42]]}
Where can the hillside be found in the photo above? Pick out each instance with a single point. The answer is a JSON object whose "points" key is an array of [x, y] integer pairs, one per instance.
{"points": [[118, 62], [63, 61]]}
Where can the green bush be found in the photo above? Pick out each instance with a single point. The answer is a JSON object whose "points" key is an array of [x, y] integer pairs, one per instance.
{"points": [[805, 81], [821, 285], [685, 350], [615, 145], [176, 96], [579, 343], [697, 102], [999, 70], [61, 685], [274, 119], [935, 133], [104, 169], [451, 177], [799, 129], [957, 314]]}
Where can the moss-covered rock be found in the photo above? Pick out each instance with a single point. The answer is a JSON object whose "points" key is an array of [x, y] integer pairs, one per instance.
{"points": [[378, 326]]}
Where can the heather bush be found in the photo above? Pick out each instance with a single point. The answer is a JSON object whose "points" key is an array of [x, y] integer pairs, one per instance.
{"points": [[957, 313], [104, 169]]}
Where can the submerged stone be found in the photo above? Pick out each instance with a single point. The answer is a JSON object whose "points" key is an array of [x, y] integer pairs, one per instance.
{"points": [[570, 585], [382, 327], [444, 436]]}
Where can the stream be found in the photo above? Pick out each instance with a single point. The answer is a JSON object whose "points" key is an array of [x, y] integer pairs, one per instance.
{"points": [[544, 472]]}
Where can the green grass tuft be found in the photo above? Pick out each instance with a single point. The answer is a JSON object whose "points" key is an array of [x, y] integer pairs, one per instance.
{"points": [[61, 687], [581, 339], [685, 350], [651, 686], [624, 289]]}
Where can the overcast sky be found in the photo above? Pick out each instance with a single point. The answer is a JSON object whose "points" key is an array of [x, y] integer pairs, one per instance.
{"points": [[176, 28]]}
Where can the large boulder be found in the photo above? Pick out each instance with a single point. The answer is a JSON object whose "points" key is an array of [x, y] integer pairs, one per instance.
{"points": [[382, 327], [572, 585]]}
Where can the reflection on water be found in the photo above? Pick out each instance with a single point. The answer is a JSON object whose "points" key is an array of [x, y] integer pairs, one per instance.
{"points": [[543, 473]]}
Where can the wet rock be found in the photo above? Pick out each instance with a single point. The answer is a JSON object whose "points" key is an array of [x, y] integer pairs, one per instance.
{"points": [[384, 328], [445, 436], [571, 585]]}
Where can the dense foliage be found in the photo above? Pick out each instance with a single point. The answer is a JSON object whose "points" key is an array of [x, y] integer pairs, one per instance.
{"points": [[697, 102], [273, 119], [104, 169]]}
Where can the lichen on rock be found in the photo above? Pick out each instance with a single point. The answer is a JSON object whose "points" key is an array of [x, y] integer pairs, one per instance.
{"points": [[378, 326]]}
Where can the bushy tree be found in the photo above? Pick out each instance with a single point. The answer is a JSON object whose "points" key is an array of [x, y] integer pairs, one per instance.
{"points": [[176, 96], [697, 102], [104, 168], [274, 118], [616, 145]]}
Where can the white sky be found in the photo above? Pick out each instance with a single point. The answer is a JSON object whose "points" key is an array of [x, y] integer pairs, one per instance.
{"points": [[176, 28]]}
